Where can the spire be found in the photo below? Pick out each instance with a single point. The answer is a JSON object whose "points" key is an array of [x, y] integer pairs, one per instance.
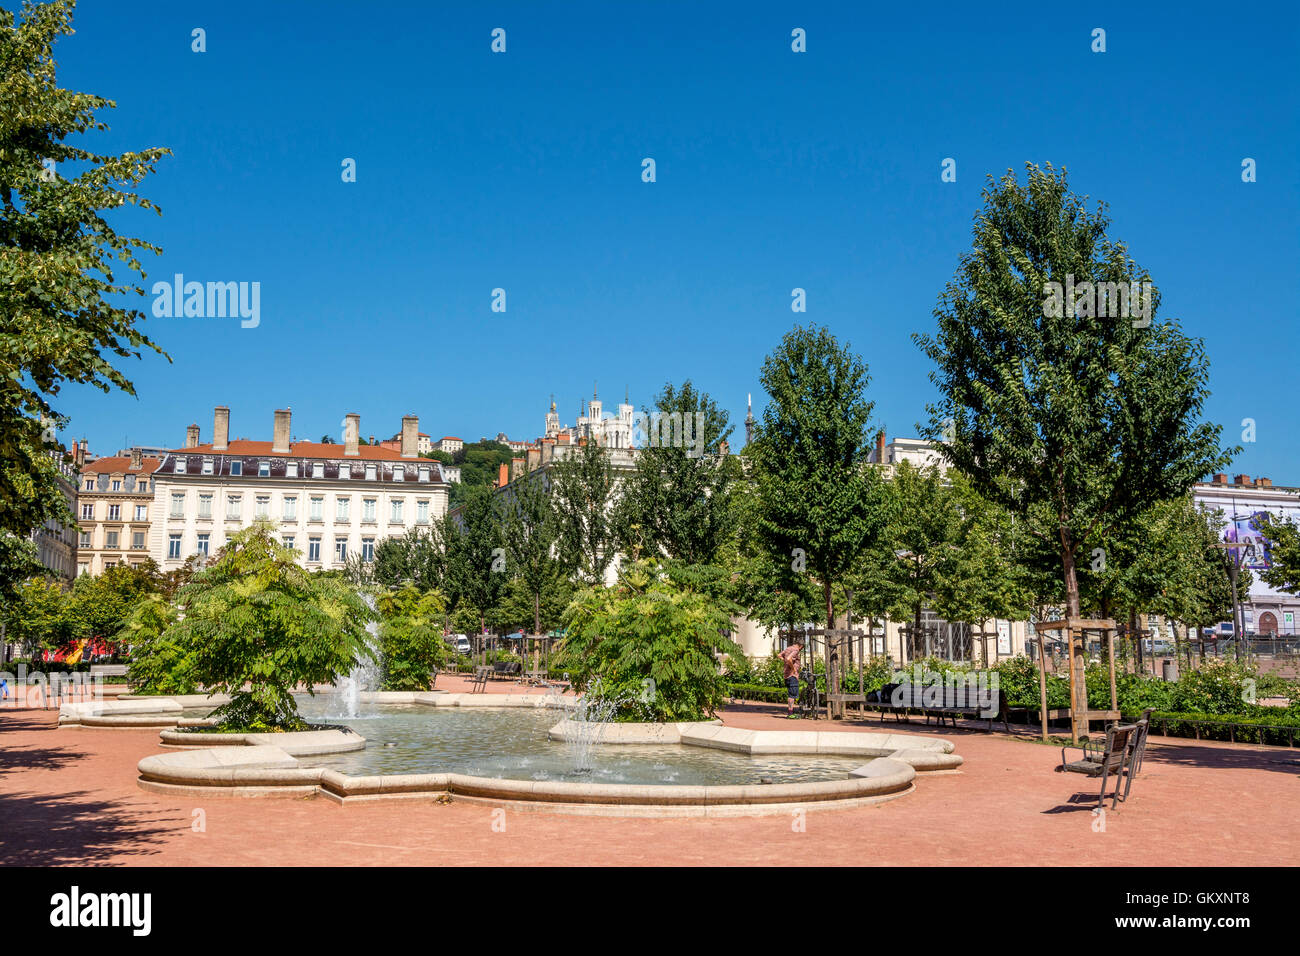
{"points": [[749, 418]]}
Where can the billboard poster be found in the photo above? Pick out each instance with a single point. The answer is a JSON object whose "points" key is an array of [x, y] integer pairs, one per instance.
{"points": [[1245, 530]]}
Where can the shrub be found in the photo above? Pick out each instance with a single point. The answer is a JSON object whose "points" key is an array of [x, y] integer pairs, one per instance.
{"points": [[257, 626], [650, 641], [1217, 687], [160, 663], [411, 637]]}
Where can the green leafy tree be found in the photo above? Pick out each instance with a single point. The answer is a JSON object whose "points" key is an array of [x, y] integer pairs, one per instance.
{"points": [[66, 276], [583, 488], [532, 536], [36, 619], [820, 504], [160, 664], [1075, 423], [100, 606], [410, 634], [477, 565], [677, 503], [418, 557], [258, 626], [652, 641]]}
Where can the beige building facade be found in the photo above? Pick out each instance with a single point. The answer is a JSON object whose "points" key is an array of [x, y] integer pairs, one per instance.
{"points": [[114, 503]]}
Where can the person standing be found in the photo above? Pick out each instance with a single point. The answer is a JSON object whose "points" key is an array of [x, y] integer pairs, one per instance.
{"points": [[790, 664]]}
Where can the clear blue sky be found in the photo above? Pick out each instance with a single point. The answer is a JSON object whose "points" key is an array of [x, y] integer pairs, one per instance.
{"points": [[775, 170]]}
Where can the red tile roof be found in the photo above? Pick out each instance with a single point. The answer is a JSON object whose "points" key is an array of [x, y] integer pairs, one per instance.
{"points": [[119, 463], [299, 449]]}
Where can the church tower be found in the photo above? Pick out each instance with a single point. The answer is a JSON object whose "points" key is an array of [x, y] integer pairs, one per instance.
{"points": [[552, 420], [749, 419]]}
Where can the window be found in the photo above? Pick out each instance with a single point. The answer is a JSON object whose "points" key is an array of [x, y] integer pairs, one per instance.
{"points": [[317, 509], [422, 512], [341, 550], [396, 512], [371, 472], [88, 512], [114, 512], [173, 546], [291, 469], [287, 540], [85, 540], [144, 486], [137, 540], [368, 509], [367, 549], [178, 505], [263, 505], [205, 506], [290, 507], [237, 468], [180, 466], [345, 471], [318, 469], [203, 544], [83, 568], [313, 549], [90, 484], [343, 508], [141, 512], [207, 466], [399, 473], [110, 539], [233, 503], [264, 469], [117, 484]]}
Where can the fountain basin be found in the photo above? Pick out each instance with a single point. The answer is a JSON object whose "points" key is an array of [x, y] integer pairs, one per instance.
{"points": [[300, 743]]}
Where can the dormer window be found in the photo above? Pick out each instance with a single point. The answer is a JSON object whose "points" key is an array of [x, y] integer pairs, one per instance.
{"points": [[207, 466], [345, 471], [371, 472], [399, 473], [291, 469], [237, 468], [180, 466], [424, 474], [264, 469], [318, 470]]}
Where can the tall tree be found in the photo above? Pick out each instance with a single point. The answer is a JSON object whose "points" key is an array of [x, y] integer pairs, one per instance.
{"points": [[532, 533], [477, 566], [66, 276], [820, 503], [677, 503], [1072, 416], [583, 488]]}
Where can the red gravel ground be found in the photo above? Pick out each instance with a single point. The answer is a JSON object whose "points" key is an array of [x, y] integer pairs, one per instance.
{"points": [[70, 797]]}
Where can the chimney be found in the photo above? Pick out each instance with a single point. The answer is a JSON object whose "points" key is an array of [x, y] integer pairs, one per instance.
{"points": [[137, 459], [1264, 482], [220, 428], [1242, 480], [503, 475], [1220, 479], [410, 436], [880, 447], [352, 434], [280, 437], [192, 437]]}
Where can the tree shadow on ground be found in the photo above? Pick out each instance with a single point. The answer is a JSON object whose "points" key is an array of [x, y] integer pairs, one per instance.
{"points": [[76, 828], [1276, 760]]}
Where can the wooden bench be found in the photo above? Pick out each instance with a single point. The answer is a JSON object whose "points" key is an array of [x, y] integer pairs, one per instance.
{"points": [[1114, 758]]}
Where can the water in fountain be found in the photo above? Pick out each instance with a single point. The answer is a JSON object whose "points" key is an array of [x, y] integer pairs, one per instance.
{"points": [[588, 719], [366, 673]]}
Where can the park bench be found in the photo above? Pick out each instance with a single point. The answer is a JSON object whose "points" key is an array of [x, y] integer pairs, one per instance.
{"points": [[504, 670], [950, 704], [107, 670], [1111, 759], [479, 681]]}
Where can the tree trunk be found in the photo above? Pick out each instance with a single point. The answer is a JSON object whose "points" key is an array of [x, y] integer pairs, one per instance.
{"points": [[830, 665], [1078, 686]]}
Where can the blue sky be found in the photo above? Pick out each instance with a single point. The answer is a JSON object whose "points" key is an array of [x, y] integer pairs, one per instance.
{"points": [[775, 170]]}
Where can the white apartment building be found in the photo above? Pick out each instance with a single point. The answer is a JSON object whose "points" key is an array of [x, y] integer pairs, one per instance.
{"points": [[448, 443], [329, 502]]}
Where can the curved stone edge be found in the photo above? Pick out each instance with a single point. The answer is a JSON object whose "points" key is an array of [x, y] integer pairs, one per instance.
{"points": [[269, 770], [295, 744], [632, 733]]}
